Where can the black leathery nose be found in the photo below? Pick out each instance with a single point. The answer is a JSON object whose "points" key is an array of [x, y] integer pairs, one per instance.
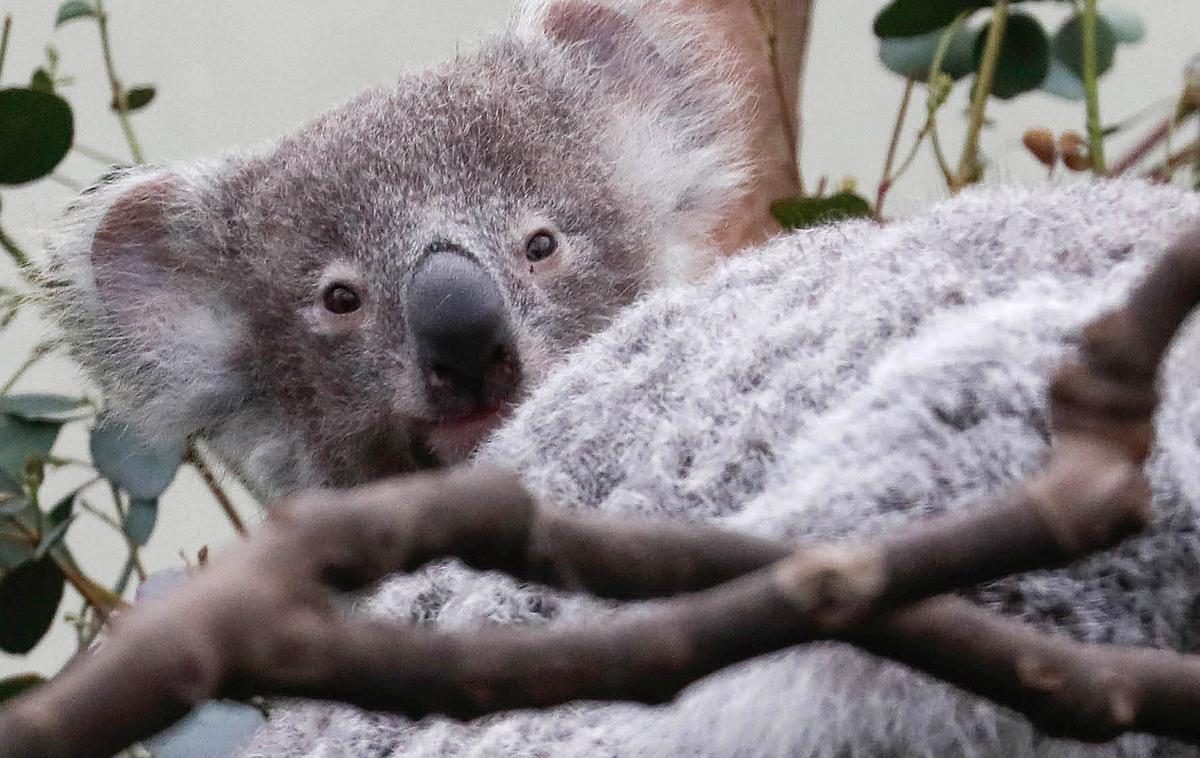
{"points": [[458, 319]]}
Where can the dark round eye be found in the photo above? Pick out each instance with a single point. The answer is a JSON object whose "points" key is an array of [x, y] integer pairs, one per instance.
{"points": [[540, 246], [341, 298]]}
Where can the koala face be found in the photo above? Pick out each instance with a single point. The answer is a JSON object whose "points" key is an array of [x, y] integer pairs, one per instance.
{"points": [[375, 292]]}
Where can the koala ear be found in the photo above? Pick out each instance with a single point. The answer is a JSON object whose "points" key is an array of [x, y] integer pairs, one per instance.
{"points": [[611, 38], [676, 114], [134, 282]]}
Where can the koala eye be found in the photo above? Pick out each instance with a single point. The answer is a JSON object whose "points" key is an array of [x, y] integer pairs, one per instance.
{"points": [[341, 298], [540, 245]]}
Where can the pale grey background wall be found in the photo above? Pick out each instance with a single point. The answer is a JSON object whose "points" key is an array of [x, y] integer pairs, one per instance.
{"points": [[232, 72]]}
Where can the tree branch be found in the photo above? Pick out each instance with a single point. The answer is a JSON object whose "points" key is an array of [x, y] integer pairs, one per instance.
{"points": [[280, 634]]}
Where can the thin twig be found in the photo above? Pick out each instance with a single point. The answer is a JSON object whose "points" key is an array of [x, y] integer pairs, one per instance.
{"points": [[197, 461], [4, 39], [1175, 161], [120, 100], [885, 181], [97, 155], [968, 164], [934, 99], [39, 351]]}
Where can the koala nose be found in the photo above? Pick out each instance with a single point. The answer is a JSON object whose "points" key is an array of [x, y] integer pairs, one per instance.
{"points": [[460, 325]]}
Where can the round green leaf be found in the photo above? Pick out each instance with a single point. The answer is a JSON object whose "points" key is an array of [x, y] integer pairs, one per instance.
{"points": [[29, 598], [911, 57], [12, 686], [72, 9], [139, 522], [1126, 25], [804, 212], [36, 131], [21, 440], [135, 465], [1024, 56], [1062, 81], [42, 407], [136, 98], [1068, 45], [909, 18]]}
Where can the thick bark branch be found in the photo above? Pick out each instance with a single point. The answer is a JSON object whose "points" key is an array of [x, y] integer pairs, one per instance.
{"points": [[261, 619]]}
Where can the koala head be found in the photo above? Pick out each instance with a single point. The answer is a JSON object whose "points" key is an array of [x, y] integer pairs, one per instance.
{"points": [[373, 293]]}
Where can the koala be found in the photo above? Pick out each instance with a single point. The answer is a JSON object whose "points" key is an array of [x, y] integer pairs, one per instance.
{"points": [[374, 293], [840, 383]]}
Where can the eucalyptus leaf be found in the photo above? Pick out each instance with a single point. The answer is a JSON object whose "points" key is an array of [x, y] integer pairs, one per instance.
{"points": [[20, 441], [36, 131], [12, 686], [1062, 81], [141, 468], [45, 407], [73, 9], [1127, 26], [65, 507], [139, 522], [909, 18], [912, 57], [136, 98], [16, 548], [804, 212], [1068, 45], [1024, 56], [29, 599]]}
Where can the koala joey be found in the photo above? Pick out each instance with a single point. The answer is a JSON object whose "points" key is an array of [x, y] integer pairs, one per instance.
{"points": [[374, 292]]}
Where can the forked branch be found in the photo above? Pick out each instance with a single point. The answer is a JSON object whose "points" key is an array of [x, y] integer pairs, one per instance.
{"points": [[261, 620]]}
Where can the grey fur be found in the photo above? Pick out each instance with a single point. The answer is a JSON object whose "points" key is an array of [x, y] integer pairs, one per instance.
{"points": [[190, 291], [836, 383]]}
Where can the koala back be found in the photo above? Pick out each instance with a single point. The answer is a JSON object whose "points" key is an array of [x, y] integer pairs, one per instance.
{"points": [[836, 384]]}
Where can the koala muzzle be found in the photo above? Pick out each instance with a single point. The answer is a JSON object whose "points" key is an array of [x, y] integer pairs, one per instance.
{"points": [[464, 339]]}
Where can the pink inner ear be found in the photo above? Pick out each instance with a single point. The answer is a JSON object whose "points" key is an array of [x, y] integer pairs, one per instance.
{"points": [[131, 258], [609, 36]]}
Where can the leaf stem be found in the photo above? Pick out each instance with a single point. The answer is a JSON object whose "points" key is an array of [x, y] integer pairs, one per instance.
{"points": [[120, 99], [193, 457], [97, 155], [968, 164], [1091, 88], [4, 39], [14, 250], [41, 350], [885, 182]]}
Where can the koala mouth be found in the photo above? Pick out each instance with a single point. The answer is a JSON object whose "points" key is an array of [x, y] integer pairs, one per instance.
{"points": [[454, 437]]}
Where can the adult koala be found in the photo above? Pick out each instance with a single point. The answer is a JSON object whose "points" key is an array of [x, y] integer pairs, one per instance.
{"points": [[835, 383]]}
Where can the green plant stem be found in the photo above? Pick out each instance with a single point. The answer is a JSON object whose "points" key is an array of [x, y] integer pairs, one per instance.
{"points": [[1091, 88], [118, 89], [39, 351], [97, 155], [935, 98], [968, 164], [13, 249], [4, 39]]}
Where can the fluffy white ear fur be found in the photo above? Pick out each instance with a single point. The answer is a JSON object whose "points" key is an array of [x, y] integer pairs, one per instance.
{"points": [[140, 310], [675, 128]]}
